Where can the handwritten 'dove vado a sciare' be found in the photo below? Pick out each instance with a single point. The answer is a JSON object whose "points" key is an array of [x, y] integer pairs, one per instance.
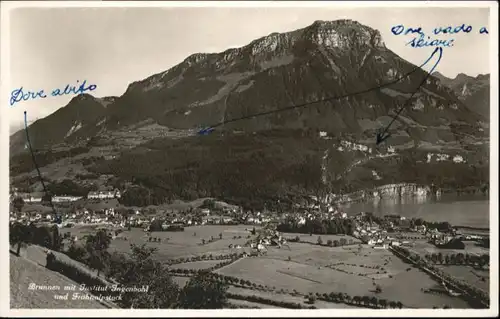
{"points": [[20, 94], [422, 40]]}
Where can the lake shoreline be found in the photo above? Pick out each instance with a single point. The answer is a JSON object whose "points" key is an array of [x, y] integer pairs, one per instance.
{"points": [[467, 212]]}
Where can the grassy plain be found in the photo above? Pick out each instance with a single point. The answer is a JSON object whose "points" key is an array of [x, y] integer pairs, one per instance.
{"points": [[304, 267], [468, 274], [423, 247], [314, 238], [308, 270], [189, 242]]}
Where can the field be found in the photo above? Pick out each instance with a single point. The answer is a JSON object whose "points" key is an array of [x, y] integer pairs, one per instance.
{"points": [[204, 264], [470, 275], [286, 298], [250, 304], [308, 270], [314, 238], [189, 242], [422, 247]]}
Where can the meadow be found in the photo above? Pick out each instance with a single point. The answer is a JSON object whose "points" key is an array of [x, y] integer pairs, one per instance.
{"points": [[312, 269], [189, 242], [302, 267], [470, 275], [423, 247], [325, 238]]}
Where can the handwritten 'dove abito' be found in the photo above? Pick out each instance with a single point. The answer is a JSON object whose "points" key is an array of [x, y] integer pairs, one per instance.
{"points": [[19, 95]]}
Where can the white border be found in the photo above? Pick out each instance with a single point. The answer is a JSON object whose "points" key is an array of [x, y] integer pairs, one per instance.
{"points": [[4, 156]]}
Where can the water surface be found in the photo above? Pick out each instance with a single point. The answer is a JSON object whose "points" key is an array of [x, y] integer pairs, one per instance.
{"points": [[464, 210]]}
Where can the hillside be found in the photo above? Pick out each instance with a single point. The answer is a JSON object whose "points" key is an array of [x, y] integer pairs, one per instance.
{"points": [[23, 272], [325, 59], [474, 92], [146, 141]]}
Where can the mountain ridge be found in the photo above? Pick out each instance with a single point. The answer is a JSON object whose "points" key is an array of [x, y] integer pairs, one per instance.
{"points": [[147, 136], [319, 45], [474, 92]]}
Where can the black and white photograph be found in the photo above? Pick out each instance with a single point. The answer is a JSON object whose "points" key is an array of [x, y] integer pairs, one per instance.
{"points": [[255, 158]]}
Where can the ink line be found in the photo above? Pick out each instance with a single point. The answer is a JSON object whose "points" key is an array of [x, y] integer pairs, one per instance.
{"points": [[37, 168], [209, 129], [381, 136]]}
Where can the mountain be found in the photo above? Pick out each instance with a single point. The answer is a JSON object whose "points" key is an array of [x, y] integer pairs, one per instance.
{"points": [[324, 60], [473, 92], [149, 133]]}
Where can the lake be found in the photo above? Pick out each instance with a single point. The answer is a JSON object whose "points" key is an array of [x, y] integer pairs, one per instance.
{"points": [[465, 210]]}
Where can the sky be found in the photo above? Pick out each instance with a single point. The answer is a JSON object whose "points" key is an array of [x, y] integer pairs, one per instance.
{"points": [[113, 47]]}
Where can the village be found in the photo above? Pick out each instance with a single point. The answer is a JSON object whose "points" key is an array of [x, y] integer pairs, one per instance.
{"points": [[388, 232], [316, 228]]}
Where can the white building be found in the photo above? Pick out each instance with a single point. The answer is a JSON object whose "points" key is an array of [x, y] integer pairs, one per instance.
{"points": [[65, 198], [30, 198], [458, 159], [104, 194]]}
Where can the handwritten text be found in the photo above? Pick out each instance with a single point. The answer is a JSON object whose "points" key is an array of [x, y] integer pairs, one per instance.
{"points": [[421, 40], [19, 94]]}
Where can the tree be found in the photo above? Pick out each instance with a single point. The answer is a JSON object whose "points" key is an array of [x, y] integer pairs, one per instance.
{"points": [[18, 204], [203, 241], [365, 300], [336, 243], [141, 269], [320, 241], [202, 292], [329, 242], [440, 258], [383, 303], [343, 241], [77, 253], [96, 246], [311, 299], [399, 304], [220, 235], [18, 235], [378, 289], [356, 300], [434, 258], [467, 259]]}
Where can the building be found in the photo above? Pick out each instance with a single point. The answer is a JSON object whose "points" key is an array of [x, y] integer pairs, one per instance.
{"points": [[65, 198], [30, 197], [104, 194]]}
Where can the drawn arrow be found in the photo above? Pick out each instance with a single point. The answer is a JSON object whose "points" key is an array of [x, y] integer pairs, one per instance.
{"points": [[208, 130], [384, 134]]}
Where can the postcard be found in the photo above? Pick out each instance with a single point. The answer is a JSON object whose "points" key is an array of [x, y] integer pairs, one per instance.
{"points": [[263, 158]]}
